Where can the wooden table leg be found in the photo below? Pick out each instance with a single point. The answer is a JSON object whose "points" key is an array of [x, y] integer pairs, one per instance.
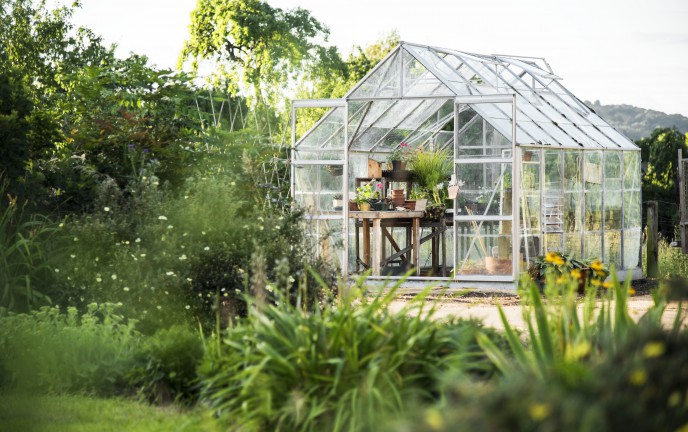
{"points": [[366, 242], [377, 246], [358, 248], [416, 244]]}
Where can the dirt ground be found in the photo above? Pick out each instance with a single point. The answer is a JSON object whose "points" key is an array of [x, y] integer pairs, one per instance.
{"points": [[482, 305]]}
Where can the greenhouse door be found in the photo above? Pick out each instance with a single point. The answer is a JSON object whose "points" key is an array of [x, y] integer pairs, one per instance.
{"points": [[319, 176], [484, 231]]}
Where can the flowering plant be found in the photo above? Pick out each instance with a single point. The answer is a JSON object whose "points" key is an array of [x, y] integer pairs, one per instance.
{"points": [[368, 192], [558, 264], [402, 153]]}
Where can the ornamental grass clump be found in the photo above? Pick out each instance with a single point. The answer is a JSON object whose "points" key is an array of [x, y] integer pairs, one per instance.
{"points": [[341, 367]]}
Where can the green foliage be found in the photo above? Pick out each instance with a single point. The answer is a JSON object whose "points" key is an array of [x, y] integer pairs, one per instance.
{"points": [[78, 413], [48, 350], [258, 45], [166, 365], [660, 182], [339, 368], [432, 168], [27, 256]]}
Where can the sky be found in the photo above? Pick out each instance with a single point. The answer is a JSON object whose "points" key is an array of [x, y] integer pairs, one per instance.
{"points": [[616, 51]]}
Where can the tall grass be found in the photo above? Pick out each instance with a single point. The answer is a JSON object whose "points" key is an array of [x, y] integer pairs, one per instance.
{"points": [[26, 258]]}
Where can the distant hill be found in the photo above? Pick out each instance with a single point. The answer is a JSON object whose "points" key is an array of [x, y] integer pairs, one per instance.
{"points": [[636, 122]]}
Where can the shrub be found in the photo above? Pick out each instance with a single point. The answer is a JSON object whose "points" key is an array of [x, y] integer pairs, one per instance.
{"points": [[166, 365], [290, 368], [49, 350]]}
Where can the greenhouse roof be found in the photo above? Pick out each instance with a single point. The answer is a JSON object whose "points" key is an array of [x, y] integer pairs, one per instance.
{"points": [[414, 87]]}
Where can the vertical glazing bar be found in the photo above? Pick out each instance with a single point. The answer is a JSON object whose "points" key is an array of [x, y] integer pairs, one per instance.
{"points": [[582, 215], [623, 205], [345, 193], [455, 243], [541, 250], [401, 72], [681, 201], [515, 195], [292, 184], [603, 165]]}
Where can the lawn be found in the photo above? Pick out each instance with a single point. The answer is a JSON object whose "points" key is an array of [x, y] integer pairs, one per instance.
{"points": [[70, 413]]}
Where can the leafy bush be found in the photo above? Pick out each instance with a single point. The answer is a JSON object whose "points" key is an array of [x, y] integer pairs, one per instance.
{"points": [[27, 252], [49, 350], [291, 368], [166, 365]]}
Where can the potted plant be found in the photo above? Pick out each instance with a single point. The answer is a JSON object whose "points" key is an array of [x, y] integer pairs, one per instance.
{"points": [[400, 156], [337, 201], [367, 194], [432, 168]]}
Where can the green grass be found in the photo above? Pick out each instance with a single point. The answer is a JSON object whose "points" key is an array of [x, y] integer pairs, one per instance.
{"points": [[71, 413]]}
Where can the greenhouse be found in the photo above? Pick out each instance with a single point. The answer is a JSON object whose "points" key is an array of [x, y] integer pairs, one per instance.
{"points": [[503, 164]]}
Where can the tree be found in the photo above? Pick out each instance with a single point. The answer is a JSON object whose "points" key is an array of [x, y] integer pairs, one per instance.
{"points": [[660, 181], [255, 44]]}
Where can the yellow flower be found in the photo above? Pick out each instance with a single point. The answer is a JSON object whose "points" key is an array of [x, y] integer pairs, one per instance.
{"points": [[638, 377], [551, 257], [653, 349], [597, 265], [631, 291], [539, 411], [576, 274], [561, 279], [607, 285], [596, 282]]}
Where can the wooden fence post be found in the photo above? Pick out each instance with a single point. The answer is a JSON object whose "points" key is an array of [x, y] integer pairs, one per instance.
{"points": [[652, 240]]}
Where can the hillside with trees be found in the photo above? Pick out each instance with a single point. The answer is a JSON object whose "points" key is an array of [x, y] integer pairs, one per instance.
{"points": [[636, 122]]}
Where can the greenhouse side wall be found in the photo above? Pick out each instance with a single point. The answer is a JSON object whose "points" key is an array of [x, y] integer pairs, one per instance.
{"points": [[583, 203]]}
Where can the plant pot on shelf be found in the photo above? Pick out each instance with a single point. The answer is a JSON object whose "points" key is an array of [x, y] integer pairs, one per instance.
{"points": [[353, 206], [379, 205], [410, 205], [398, 198], [527, 155], [364, 206], [398, 165], [337, 204]]}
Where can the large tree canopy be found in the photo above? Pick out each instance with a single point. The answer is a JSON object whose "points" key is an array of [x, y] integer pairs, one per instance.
{"points": [[254, 43]]}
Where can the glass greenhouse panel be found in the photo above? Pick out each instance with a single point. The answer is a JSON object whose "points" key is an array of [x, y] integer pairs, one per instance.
{"points": [[325, 237], [632, 170], [328, 133], [418, 81], [484, 248], [612, 248], [479, 139], [317, 186], [486, 190], [613, 185], [593, 170], [593, 245], [553, 242], [384, 81], [631, 248], [632, 216]]}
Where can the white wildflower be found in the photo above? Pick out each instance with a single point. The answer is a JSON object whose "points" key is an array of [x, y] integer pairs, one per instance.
{"points": [[162, 217], [107, 209], [126, 289], [182, 258]]}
